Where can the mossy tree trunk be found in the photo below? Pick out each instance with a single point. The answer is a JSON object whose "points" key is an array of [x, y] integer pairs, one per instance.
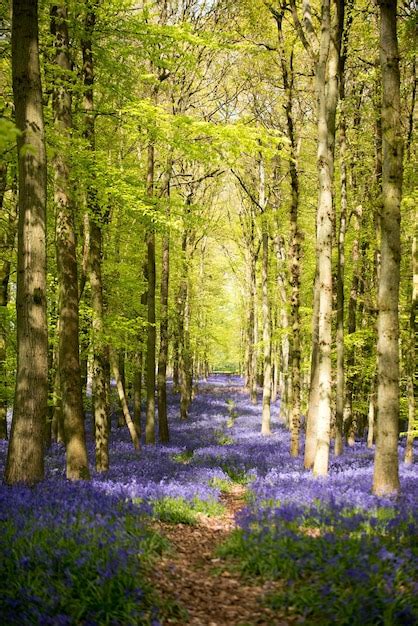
{"points": [[25, 457], [386, 473]]}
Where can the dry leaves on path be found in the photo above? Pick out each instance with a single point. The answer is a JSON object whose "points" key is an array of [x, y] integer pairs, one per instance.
{"points": [[191, 575]]}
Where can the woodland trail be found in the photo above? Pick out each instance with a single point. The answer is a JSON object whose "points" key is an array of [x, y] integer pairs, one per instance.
{"points": [[193, 576]]}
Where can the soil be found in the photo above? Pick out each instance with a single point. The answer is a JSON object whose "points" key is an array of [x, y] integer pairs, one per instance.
{"points": [[192, 577]]}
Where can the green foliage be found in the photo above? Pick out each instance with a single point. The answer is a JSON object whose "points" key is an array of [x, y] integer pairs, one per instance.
{"points": [[183, 457], [8, 134], [181, 511]]}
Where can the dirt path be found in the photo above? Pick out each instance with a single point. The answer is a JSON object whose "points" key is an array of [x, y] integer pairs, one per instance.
{"points": [[190, 575]]}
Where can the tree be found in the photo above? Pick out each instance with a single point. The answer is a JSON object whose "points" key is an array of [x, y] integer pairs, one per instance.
{"points": [[386, 476], [25, 458], [99, 384], [65, 240]]}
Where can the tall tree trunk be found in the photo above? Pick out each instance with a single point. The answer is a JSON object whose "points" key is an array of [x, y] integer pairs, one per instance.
{"points": [[327, 89], [151, 330], [164, 339], [99, 381], [288, 77], [25, 457], [65, 241], [386, 474], [340, 374], [266, 413]]}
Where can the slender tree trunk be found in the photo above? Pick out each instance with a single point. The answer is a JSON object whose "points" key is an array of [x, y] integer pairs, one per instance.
{"points": [[137, 391], [65, 241], [327, 86], [340, 384], [99, 382], [164, 338], [371, 419], [183, 347], [386, 474], [114, 361], [313, 402], [25, 457], [352, 322], [151, 330], [253, 329], [288, 77], [340, 375], [266, 413], [410, 364], [285, 383]]}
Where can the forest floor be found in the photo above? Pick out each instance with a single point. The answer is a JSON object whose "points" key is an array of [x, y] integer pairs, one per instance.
{"points": [[220, 527], [191, 575]]}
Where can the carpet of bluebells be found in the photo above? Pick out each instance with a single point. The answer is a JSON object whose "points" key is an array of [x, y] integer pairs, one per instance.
{"points": [[76, 553]]}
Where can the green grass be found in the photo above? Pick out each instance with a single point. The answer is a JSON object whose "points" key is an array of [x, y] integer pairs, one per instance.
{"points": [[183, 457], [181, 511]]}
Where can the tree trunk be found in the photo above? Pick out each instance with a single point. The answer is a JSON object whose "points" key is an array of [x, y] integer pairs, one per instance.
{"points": [[114, 361], [137, 391], [65, 241], [99, 382], [164, 339], [327, 89], [253, 329], [25, 457], [151, 330], [410, 364], [313, 402], [352, 324], [266, 413], [288, 78], [386, 475], [340, 375]]}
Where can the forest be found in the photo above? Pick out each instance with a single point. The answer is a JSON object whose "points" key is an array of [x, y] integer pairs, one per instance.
{"points": [[208, 299]]}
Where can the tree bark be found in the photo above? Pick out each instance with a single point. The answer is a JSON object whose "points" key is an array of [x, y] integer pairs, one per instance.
{"points": [[114, 360], [266, 412], [99, 382], [164, 338], [137, 391], [327, 89], [151, 330], [386, 473], [25, 457], [65, 242], [288, 78], [313, 402]]}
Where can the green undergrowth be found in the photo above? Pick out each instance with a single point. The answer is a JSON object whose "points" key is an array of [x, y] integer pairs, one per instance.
{"points": [[182, 511], [183, 457]]}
